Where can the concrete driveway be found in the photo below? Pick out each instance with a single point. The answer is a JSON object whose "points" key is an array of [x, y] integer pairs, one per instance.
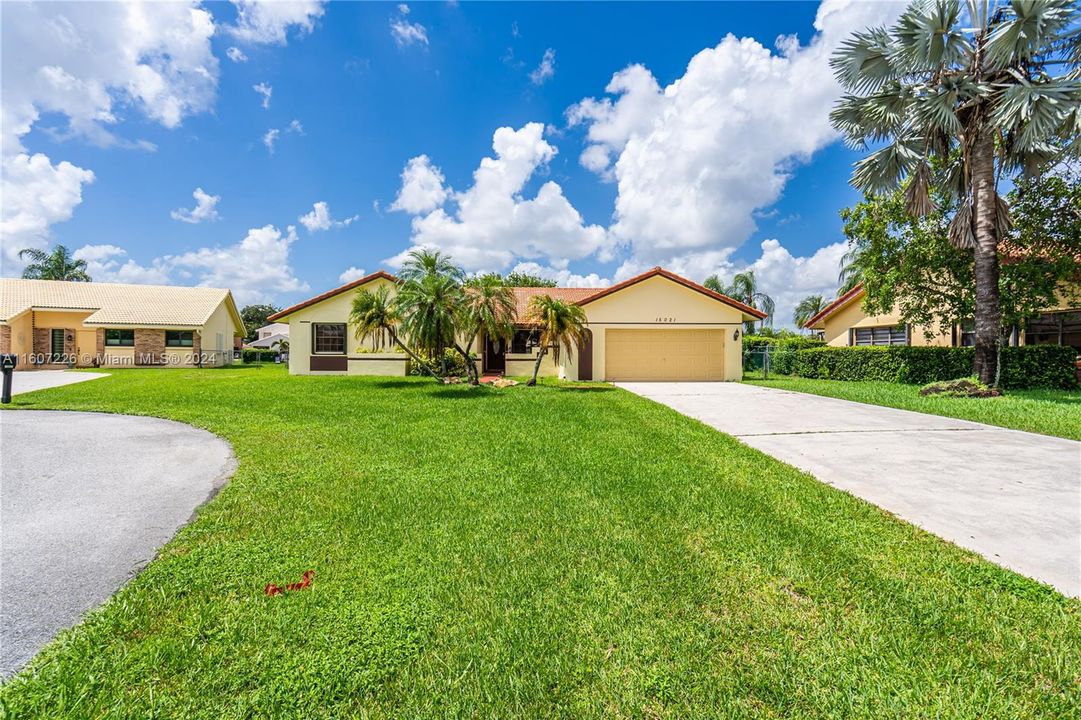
{"points": [[1013, 497], [86, 499], [24, 381]]}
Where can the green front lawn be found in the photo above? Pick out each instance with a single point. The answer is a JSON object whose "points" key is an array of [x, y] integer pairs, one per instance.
{"points": [[1048, 412], [556, 551]]}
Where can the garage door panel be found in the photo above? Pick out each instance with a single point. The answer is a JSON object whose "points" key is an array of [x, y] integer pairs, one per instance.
{"points": [[668, 354]]}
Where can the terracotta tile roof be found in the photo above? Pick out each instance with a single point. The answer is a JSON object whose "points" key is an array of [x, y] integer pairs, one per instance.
{"points": [[331, 293], [115, 303], [758, 314], [571, 295], [834, 306]]}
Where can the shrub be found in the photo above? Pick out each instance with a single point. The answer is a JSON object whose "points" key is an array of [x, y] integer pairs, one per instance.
{"points": [[454, 361], [1032, 366], [965, 387], [779, 348], [251, 355]]}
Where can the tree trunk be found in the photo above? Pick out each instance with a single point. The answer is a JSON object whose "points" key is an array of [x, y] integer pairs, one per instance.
{"points": [[987, 316], [416, 358], [470, 368], [536, 367]]}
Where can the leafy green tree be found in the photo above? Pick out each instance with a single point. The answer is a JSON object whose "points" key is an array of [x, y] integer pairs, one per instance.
{"points": [[426, 262], [429, 308], [558, 324], [60, 264], [744, 287], [978, 92], [374, 315], [255, 317], [807, 308], [910, 263], [488, 309], [520, 279]]}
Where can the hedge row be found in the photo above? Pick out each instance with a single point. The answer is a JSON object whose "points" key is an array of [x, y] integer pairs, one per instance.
{"points": [[251, 355], [1031, 366]]}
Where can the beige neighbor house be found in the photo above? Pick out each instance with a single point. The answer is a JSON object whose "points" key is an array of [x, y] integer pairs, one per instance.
{"points": [[656, 326], [53, 324], [844, 323]]}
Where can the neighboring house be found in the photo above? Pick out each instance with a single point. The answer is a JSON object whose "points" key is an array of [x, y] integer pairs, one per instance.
{"points": [[52, 324], [656, 326], [843, 322], [270, 336]]}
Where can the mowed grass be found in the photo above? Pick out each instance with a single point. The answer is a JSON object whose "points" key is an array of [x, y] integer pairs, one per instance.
{"points": [[1048, 412], [556, 551]]}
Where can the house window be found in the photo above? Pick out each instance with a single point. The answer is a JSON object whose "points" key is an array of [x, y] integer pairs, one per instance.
{"points": [[523, 341], [1060, 328], [179, 338], [968, 334], [328, 338], [120, 338], [57, 338], [897, 335]]}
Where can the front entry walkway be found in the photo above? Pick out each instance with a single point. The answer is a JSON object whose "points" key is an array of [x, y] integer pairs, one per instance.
{"points": [[24, 381], [1011, 496]]}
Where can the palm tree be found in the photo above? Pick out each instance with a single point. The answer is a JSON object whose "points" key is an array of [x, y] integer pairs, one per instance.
{"points": [[808, 307], [487, 308], [424, 262], [714, 283], [559, 324], [375, 315], [976, 92], [429, 307], [744, 288], [60, 264]]}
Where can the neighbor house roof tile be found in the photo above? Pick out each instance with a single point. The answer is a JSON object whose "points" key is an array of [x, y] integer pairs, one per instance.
{"points": [[114, 303], [331, 293]]}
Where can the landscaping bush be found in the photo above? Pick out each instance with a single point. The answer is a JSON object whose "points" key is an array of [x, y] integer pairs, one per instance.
{"points": [[964, 387], [251, 355], [1032, 366], [455, 364], [780, 349]]}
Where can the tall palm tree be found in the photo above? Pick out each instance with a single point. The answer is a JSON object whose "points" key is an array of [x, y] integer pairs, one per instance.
{"points": [[976, 91], [487, 308], [423, 262], [559, 324], [429, 307], [744, 288], [60, 264], [713, 282], [375, 315], [807, 308]]}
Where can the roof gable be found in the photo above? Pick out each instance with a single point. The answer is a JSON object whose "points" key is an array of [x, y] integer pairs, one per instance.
{"points": [[331, 293], [679, 280], [834, 306]]}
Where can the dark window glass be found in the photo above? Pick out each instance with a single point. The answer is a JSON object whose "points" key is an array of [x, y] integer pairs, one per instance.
{"points": [[179, 338], [124, 338], [328, 338], [968, 334], [523, 341], [57, 344], [881, 336], [1061, 328]]}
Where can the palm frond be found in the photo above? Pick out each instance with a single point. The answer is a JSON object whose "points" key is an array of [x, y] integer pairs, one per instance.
{"points": [[1034, 111], [961, 235], [882, 170], [928, 37], [918, 199], [1026, 30], [862, 62]]}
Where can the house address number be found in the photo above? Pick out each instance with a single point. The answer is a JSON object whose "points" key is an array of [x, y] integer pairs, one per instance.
{"points": [[666, 319]]}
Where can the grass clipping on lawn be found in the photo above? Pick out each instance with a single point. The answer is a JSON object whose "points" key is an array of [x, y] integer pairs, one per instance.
{"points": [[526, 553]]}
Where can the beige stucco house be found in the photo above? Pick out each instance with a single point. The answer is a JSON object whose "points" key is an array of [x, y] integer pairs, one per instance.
{"points": [[53, 324], [843, 323], [656, 326]]}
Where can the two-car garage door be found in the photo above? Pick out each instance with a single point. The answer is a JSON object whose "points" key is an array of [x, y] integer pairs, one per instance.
{"points": [[670, 354]]}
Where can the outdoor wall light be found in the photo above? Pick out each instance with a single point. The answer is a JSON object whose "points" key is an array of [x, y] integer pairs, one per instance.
{"points": [[735, 335]]}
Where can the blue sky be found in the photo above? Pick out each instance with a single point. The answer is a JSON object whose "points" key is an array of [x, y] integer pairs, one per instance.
{"points": [[111, 125]]}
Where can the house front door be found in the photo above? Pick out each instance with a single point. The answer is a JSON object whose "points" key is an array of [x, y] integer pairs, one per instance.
{"points": [[495, 355]]}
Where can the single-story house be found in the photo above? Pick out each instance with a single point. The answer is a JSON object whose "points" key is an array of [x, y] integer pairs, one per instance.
{"points": [[655, 326], [270, 336], [55, 324], [844, 323]]}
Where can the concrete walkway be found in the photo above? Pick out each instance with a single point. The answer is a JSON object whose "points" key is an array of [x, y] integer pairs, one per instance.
{"points": [[1011, 496], [24, 381], [86, 500]]}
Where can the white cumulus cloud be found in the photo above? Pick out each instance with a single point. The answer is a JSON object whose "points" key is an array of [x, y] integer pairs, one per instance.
{"points": [[351, 274], [259, 21], [236, 55], [205, 209], [319, 218], [492, 225], [422, 187], [406, 33], [109, 263], [265, 91], [562, 276]]}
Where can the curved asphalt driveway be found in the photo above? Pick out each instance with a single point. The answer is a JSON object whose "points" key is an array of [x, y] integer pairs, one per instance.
{"points": [[1014, 497], [86, 499]]}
